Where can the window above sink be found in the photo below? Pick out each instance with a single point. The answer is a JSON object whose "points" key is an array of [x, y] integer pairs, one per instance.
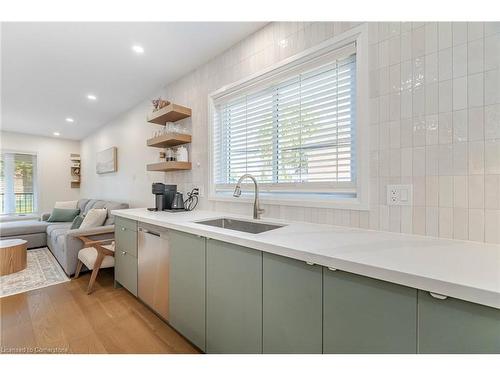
{"points": [[299, 127]]}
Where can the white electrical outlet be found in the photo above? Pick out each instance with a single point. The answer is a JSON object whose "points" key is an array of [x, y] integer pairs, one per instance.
{"points": [[399, 195]]}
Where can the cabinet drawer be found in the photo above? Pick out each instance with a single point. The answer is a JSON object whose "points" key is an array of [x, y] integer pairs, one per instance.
{"points": [[455, 326], [234, 299], [126, 240], [365, 315], [126, 271], [187, 286], [292, 306], [121, 222]]}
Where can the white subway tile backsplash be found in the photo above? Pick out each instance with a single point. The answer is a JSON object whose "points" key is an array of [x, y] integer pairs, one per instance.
{"points": [[432, 191], [476, 225], [476, 124], [492, 191], [418, 220], [444, 35], [475, 90], [475, 56], [459, 30], [460, 126], [459, 60], [491, 28], [492, 87], [446, 160], [475, 30], [432, 160], [460, 158], [406, 46], [418, 42], [431, 68], [492, 52], [460, 223], [431, 37], [492, 156], [395, 50], [434, 115], [383, 54], [446, 222], [445, 64], [492, 121], [476, 157], [445, 127], [432, 221], [445, 96], [476, 191], [432, 129], [492, 226], [446, 191], [459, 93], [460, 192]]}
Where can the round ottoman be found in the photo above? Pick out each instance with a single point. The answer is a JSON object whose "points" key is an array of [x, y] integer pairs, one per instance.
{"points": [[12, 256]]}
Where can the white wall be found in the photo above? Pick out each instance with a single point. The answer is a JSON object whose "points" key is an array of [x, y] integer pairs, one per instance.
{"points": [[131, 183], [434, 110], [53, 165]]}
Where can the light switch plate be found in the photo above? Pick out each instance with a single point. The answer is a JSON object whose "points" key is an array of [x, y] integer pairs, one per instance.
{"points": [[399, 195]]}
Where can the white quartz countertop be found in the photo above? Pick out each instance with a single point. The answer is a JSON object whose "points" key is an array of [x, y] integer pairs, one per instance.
{"points": [[462, 269]]}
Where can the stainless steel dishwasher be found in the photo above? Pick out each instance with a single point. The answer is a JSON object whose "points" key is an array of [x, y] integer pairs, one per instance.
{"points": [[153, 267]]}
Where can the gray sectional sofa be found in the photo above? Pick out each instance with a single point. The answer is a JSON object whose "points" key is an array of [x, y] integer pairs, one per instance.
{"points": [[62, 241]]}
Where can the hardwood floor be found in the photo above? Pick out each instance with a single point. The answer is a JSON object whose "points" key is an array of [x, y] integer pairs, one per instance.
{"points": [[64, 319]]}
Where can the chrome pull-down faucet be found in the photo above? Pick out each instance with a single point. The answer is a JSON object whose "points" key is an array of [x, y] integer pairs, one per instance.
{"points": [[256, 204]]}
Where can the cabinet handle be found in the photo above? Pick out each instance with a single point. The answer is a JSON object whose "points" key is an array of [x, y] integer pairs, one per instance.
{"points": [[122, 228], [332, 269], [438, 296], [124, 252], [310, 263]]}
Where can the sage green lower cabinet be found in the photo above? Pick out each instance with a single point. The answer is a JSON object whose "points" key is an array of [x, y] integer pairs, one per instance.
{"points": [[187, 286], [455, 326], [292, 306], [126, 271], [126, 254], [364, 315], [234, 298]]}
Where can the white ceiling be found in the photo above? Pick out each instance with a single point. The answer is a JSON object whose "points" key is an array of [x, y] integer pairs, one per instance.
{"points": [[49, 68]]}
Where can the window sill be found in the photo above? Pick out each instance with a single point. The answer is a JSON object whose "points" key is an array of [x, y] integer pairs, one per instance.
{"points": [[307, 200]]}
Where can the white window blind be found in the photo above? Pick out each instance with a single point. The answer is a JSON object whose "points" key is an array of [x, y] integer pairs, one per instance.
{"points": [[296, 134]]}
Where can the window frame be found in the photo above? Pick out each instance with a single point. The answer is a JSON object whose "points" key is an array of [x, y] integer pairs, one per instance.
{"points": [[293, 196], [36, 179]]}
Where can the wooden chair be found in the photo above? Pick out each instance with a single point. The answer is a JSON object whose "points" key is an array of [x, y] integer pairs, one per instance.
{"points": [[94, 256]]}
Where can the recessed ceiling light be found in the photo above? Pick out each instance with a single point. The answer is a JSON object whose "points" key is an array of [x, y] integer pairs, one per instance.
{"points": [[138, 49], [57, 134], [69, 119], [91, 97]]}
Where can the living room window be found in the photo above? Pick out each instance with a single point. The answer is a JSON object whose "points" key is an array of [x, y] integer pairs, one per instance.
{"points": [[295, 128], [17, 183]]}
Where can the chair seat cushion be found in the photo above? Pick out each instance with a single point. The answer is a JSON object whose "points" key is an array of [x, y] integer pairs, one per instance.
{"points": [[14, 228], [88, 257]]}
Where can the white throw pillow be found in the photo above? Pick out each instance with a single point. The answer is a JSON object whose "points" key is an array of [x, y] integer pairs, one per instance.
{"points": [[66, 204], [94, 218]]}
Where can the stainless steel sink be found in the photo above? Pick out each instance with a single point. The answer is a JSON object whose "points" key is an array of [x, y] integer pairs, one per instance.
{"points": [[240, 225]]}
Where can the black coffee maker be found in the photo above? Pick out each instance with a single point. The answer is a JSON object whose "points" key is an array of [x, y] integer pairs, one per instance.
{"points": [[164, 196]]}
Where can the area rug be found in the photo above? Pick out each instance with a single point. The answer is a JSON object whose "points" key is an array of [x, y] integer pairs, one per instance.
{"points": [[42, 270]]}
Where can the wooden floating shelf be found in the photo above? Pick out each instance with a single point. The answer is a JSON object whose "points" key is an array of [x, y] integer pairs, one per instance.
{"points": [[168, 166], [167, 140], [75, 184], [170, 113]]}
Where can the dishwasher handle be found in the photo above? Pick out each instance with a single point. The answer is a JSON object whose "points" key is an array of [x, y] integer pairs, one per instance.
{"points": [[149, 232]]}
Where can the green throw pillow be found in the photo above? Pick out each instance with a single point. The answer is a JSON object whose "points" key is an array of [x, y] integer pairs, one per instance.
{"points": [[77, 222], [63, 214]]}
